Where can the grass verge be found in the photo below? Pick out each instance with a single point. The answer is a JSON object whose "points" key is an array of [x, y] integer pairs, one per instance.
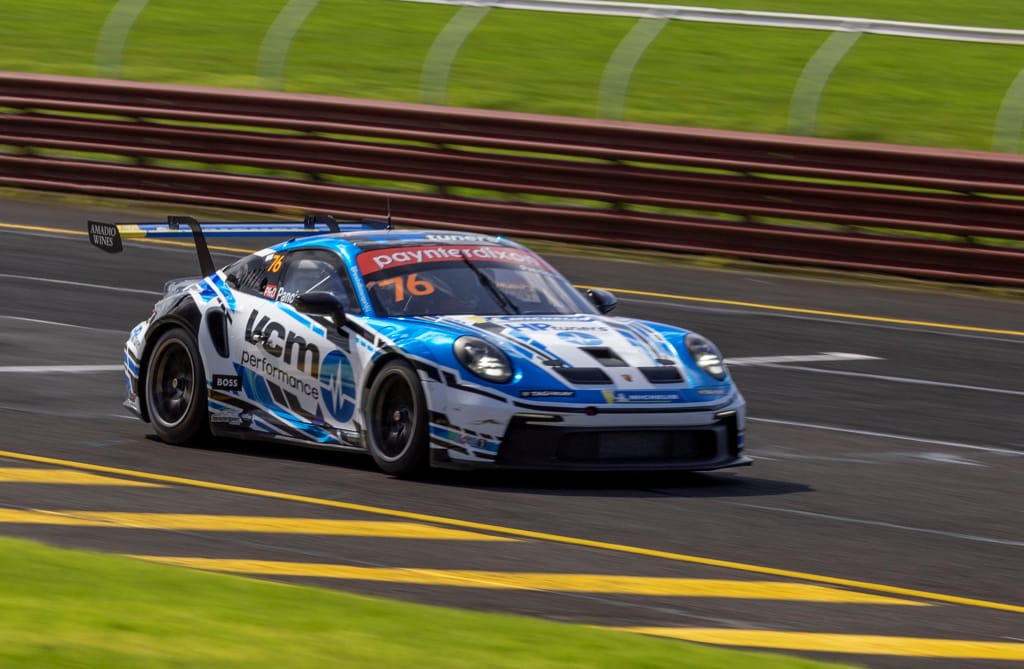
{"points": [[80, 609], [886, 89]]}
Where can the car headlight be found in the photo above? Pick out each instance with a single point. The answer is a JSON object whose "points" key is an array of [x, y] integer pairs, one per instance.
{"points": [[483, 359], [706, 355]]}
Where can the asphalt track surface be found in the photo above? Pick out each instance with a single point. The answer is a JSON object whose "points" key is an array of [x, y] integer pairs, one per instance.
{"points": [[881, 524]]}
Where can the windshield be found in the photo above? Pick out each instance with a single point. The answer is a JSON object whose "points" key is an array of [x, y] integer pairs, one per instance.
{"points": [[478, 280]]}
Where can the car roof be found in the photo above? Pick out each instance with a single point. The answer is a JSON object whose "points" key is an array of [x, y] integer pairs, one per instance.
{"points": [[350, 243]]}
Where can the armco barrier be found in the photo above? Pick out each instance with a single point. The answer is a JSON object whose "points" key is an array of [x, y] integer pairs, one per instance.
{"points": [[939, 214]]}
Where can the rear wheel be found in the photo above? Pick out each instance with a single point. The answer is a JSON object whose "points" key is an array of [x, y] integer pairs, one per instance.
{"points": [[397, 421], [176, 389]]}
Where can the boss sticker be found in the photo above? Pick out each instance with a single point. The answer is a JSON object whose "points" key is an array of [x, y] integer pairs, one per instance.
{"points": [[227, 382]]}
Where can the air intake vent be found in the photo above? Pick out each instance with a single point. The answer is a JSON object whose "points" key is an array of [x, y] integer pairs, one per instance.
{"points": [[666, 374], [605, 356], [584, 375]]}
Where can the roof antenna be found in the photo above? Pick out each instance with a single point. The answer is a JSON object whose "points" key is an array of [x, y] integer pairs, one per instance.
{"points": [[390, 226]]}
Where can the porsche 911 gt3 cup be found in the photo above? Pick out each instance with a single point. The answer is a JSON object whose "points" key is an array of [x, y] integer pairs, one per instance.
{"points": [[421, 348]]}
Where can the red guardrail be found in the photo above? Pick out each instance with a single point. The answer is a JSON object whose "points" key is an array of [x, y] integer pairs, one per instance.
{"points": [[928, 213]]}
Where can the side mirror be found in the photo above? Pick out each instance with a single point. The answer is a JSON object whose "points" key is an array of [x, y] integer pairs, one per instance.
{"points": [[602, 299], [321, 303]]}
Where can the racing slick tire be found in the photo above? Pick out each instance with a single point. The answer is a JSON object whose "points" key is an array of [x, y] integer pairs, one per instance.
{"points": [[176, 389], [397, 430]]}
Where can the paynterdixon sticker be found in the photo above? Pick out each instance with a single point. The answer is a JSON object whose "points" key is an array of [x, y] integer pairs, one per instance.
{"points": [[374, 261]]}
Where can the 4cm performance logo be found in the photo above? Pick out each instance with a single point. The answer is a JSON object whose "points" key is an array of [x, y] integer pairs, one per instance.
{"points": [[283, 344]]}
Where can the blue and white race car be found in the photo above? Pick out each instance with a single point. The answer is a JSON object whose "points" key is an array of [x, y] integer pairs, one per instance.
{"points": [[421, 348]]}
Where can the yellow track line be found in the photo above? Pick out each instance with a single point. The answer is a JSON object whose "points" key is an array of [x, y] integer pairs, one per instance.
{"points": [[40, 228], [626, 291], [277, 525], [528, 534], [64, 477], [842, 643], [558, 582], [83, 233], [814, 312]]}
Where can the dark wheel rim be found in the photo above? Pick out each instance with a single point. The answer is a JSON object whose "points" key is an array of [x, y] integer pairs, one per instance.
{"points": [[172, 383], [394, 417]]}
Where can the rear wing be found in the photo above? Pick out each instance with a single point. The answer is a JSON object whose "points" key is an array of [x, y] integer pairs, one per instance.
{"points": [[108, 236]]}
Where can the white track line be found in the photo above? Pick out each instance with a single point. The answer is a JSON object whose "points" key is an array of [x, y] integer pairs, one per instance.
{"points": [[79, 284], [60, 369], [63, 325], [878, 523], [899, 379], [884, 435], [817, 357]]}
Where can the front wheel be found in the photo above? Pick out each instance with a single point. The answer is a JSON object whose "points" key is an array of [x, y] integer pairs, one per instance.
{"points": [[397, 428], [176, 389]]}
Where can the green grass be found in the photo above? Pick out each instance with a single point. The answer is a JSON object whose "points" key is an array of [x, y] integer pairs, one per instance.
{"points": [[888, 89], [76, 609]]}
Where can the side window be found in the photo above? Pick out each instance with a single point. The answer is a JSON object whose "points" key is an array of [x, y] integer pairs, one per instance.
{"points": [[316, 270], [256, 275]]}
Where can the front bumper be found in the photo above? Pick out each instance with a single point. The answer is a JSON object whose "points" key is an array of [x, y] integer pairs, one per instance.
{"points": [[132, 362], [697, 441], [537, 446]]}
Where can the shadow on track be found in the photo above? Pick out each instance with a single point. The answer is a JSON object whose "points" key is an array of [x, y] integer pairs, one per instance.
{"points": [[280, 451], [722, 483], [621, 484]]}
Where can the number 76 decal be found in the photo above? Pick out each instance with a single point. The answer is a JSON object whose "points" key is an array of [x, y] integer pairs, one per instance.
{"points": [[410, 284]]}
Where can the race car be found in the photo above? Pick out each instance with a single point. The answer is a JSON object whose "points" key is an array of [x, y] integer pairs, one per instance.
{"points": [[421, 348]]}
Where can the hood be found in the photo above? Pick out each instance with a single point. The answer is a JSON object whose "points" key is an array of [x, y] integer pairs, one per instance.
{"points": [[591, 350], [577, 359], [576, 341]]}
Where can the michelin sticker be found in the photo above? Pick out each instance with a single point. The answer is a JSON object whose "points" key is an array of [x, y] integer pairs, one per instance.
{"points": [[622, 396]]}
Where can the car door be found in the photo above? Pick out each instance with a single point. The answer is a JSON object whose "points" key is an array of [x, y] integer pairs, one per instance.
{"points": [[298, 367], [234, 398]]}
